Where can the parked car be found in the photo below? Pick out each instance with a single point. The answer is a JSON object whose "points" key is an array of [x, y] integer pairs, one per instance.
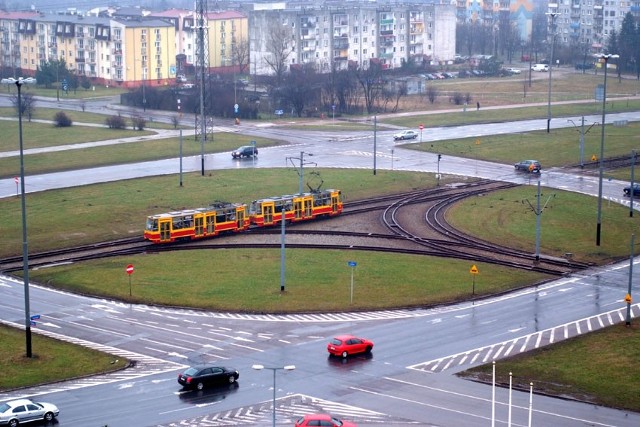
{"points": [[244, 151], [532, 166], [636, 190], [15, 412], [345, 345], [514, 70], [405, 134], [199, 377], [540, 67], [322, 420]]}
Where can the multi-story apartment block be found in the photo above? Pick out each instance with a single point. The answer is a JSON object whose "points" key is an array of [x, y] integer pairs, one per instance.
{"points": [[588, 22], [337, 37]]}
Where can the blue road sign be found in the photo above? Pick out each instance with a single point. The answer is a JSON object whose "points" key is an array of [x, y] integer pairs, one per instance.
{"points": [[32, 323], [235, 108], [35, 317], [352, 263], [279, 112]]}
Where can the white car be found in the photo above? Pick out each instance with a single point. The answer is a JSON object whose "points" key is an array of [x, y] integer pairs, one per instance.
{"points": [[540, 67], [405, 134], [513, 70], [16, 412]]}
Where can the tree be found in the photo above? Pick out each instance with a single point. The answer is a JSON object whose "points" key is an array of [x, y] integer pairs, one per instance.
{"points": [[432, 93], [301, 87], [61, 119], [627, 44], [371, 81], [240, 55], [51, 72], [278, 50], [27, 104]]}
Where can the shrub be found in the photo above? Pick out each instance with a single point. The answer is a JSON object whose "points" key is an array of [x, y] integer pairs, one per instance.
{"points": [[61, 120], [115, 122], [138, 122]]}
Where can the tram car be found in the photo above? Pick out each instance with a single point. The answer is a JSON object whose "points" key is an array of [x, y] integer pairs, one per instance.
{"points": [[299, 207], [197, 223]]}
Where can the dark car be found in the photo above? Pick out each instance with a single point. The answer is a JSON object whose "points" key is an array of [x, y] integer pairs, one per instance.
{"points": [[532, 166], [244, 151], [345, 345], [636, 190], [199, 377]]}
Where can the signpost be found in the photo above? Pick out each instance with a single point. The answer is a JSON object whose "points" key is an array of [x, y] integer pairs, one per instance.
{"points": [[421, 127], [352, 264], [17, 181], [474, 272], [129, 271]]}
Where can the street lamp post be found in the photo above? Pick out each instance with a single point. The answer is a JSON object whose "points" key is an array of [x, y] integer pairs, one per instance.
{"points": [[274, 369], [284, 220], [25, 249], [604, 58], [553, 42]]}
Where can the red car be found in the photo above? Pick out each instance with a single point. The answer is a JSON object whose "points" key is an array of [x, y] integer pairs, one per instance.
{"points": [[322, 420], [345, 345]]}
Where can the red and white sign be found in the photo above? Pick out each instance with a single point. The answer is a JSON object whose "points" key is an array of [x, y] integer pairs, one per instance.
{"points": [[130, 269], [17, 180], [421, 126]]}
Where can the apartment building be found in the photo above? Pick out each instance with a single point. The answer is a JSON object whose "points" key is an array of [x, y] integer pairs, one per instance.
{"points": [[337, 37]]}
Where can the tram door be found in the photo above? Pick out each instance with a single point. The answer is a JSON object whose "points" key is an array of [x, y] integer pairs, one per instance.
{"points": [[199, 225], [267, 213], [164, 225], [297, 209], [308, 207], [211, 222], [334, 203], [240, 219]]}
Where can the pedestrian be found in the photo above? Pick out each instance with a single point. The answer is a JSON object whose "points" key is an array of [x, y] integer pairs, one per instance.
{"points": [[477, 106]]}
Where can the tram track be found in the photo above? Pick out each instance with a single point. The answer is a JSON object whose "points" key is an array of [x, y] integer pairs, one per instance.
{"points": [[438, 238]]}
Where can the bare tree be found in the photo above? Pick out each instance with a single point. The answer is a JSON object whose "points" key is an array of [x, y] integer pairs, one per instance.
{"points": [[432, 93], [240, 55], [27, 104], [279, 48], [371, 81]]}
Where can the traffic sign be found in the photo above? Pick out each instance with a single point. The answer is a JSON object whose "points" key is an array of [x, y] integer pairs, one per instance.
{"points": [[130, 269], [235, 108], [474, 269], [628, 299], [352, 263], [421, 126], [16, 180], [35, 317]]}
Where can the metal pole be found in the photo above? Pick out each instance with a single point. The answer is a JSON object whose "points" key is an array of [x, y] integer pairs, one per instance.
{"points": [[375, 129], [633, 166], [25, 249], [301, 172], [180, 157], [628, 320], [510, 390], [283, 220], [274, 397], [582, 144], [538, 215], [601, 164], [530, 402], [493, 397], [553, 41]]}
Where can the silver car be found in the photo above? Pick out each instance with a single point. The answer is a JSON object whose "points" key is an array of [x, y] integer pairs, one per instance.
{"points": [[15, 412]]}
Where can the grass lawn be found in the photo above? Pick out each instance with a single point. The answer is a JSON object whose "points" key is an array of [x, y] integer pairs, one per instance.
{"points": [[51, 360], [600, 368]]}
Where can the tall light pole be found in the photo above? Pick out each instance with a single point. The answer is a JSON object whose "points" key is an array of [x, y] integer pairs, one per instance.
{"points": [[274, 369], [604, 58], [553, 42], [25, 248], [284, 220]]}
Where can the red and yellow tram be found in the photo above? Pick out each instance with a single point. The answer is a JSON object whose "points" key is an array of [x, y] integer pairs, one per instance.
{"points": [[236, 217], [196, 223]]}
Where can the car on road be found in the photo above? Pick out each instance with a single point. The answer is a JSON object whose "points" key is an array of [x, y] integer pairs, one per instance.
{"points": [[405, 134], [514, 70], [324, 420], [636, 190], [20, 411], [199, 377], [532, 166], [346, 345], [539, 67], [244, 151]]}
